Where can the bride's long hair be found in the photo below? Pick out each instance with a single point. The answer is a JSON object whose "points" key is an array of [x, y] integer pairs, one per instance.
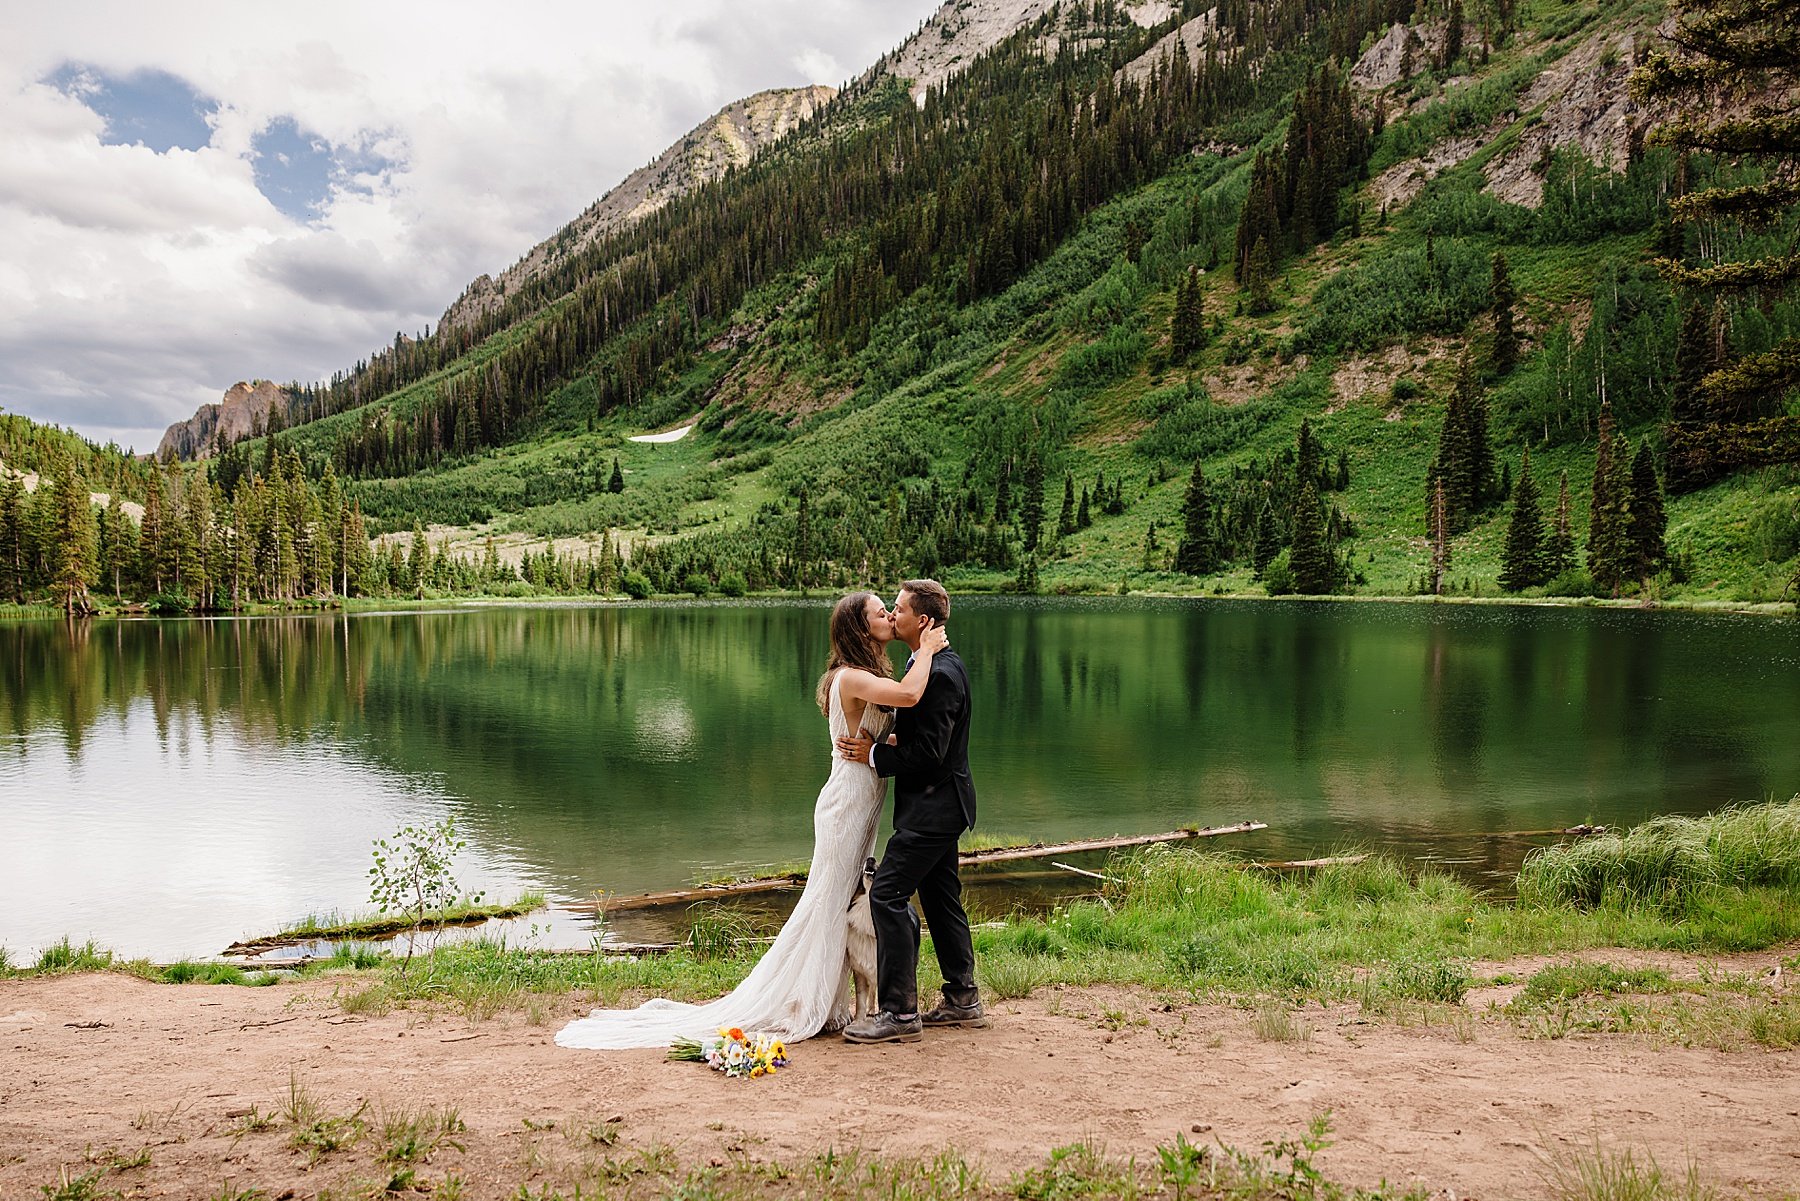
{"points": [[852, 645]]}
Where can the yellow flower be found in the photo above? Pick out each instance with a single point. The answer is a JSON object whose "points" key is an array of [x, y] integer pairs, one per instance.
{"points": [[758, 1070], [778, 1051]]}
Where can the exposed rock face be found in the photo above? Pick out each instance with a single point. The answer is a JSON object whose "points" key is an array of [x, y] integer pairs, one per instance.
{"points": [[729, 138], [1586, 105], [1192, 36], [962, 30], [1381, 64], [242, 406], [953, 37]]}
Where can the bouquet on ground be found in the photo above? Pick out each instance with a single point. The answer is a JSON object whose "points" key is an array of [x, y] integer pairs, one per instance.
{"points": [[733, 1052]]}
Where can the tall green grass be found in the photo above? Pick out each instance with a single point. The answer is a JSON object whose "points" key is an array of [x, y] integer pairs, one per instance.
{"points": [[1671, 862]]}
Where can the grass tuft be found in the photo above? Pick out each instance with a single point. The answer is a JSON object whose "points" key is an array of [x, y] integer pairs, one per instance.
{"points": [[65, 956], [1623, 1175]]}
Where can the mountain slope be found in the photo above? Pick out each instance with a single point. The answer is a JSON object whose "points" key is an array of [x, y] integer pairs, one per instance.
{"points": [[895, 335], [729, 138]]}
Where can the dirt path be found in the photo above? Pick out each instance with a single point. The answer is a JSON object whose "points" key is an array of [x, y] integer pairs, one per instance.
{"points": [[97, 1062]]}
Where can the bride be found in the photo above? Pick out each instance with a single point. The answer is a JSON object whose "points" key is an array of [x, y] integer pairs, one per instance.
{"points": [[799, 988]]}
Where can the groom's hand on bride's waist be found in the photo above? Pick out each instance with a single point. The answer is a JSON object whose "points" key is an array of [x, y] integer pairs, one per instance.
{"points": [[856, 747]]}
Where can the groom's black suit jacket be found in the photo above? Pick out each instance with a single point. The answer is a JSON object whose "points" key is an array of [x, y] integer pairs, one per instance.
{"points": [[933, 791]]}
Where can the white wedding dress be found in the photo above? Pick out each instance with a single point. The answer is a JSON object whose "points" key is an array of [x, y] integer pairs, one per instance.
{"points": [[800, 986]]}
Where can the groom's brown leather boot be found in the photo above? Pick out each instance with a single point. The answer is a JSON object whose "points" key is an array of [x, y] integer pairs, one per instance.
{"points": [[948, 1013], [884, 1027]]}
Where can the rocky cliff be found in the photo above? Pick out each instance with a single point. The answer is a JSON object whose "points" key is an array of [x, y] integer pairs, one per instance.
{"points": [[727, 139], [243, 407]]}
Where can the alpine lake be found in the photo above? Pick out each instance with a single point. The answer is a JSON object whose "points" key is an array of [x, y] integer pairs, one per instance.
{"points": [[170, 786]]}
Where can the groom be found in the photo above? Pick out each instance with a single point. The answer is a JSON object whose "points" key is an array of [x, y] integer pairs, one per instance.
{"points": [[934, 802]]}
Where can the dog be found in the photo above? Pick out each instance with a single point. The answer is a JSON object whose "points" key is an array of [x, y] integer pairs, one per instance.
{"points": [[859, 949]]}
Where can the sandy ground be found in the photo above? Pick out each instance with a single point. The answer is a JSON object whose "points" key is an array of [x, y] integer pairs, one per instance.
{"points": [[93, 1063]]}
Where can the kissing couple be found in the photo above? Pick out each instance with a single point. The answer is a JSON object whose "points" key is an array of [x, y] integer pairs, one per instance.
{"points": [[916, 730]]}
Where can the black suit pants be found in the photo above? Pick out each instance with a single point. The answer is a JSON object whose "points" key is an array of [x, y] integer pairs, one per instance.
{"points": [[924, 863]]}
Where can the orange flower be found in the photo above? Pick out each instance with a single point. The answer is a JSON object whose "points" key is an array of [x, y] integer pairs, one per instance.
{"points": [[735, 1033]]}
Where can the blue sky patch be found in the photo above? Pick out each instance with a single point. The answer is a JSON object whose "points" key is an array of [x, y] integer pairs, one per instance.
{"points": [[297, 169], [147, 108]]}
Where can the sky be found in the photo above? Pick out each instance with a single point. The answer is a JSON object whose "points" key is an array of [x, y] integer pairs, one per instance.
{"points": [[196, 194]]}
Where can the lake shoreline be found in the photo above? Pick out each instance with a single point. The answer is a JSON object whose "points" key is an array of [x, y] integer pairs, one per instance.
{"points": [[364, 606]]}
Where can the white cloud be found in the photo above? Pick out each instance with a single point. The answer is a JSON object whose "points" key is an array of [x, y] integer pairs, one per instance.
{"points": [[135, 286]]}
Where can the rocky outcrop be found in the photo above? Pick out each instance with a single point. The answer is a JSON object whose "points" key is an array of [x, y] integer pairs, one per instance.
{"points": [[729, 138], [1386, 61], [243, 408], [1193, 37], [953, 37], [1586, 105], [1581, 101]]}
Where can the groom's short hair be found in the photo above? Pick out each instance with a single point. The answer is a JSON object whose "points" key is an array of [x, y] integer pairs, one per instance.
{"points": [[929, 599]]}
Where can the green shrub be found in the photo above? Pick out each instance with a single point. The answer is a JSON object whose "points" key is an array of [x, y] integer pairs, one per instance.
{"points": [[1093, 365], [1773, 530], [732, 584], [1426, 980], [1401, 292], [636, 585]]}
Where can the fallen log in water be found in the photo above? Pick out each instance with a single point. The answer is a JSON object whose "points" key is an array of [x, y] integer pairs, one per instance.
{"points": [[738, 888], [1282, 865]]}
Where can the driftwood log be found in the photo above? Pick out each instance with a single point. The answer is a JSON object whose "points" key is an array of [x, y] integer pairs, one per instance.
{"points": [[738, 888]]}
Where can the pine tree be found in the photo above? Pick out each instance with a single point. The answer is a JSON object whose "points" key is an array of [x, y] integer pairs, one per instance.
{"points": [[1453, 34], [617, 482], [1083, 517], [1065, 524], [1649, 522], [1031, 508], [356, 563], [1309, 456], [150, 537], [241, 558], [199, 539], [1506, 338], [1311, 558], [1718, 79], [1523, 565], [1600, 502], [1438, 529], [1187, 326], [1003, 495], [1696, 357], [1198, 552], [1268, 539], [1613, 561], [418, 557], [1464, 462], [12, 537], [1559, 548], [1259, 278], [73, 563], [1027, 581], [803, 547], [106, 543]]}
